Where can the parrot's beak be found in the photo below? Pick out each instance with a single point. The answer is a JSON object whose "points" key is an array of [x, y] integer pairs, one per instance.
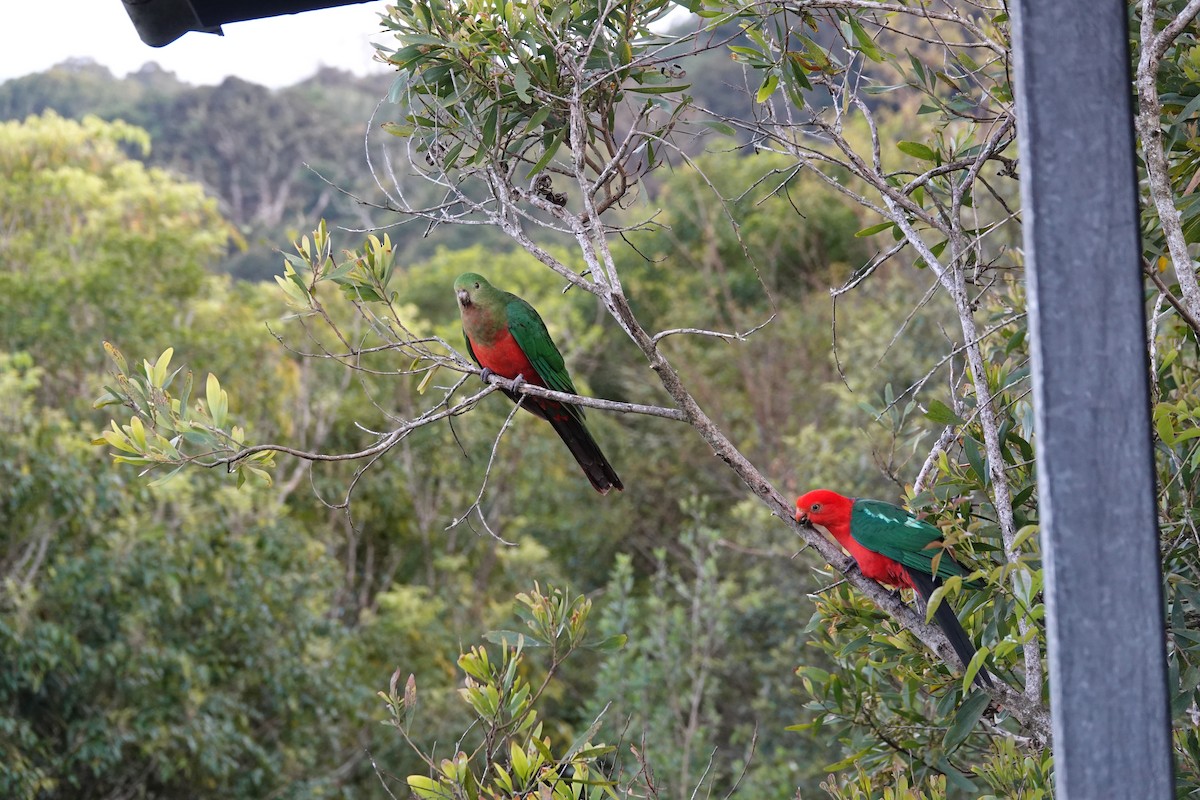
{"points": [[801, 517], [464, 297]]}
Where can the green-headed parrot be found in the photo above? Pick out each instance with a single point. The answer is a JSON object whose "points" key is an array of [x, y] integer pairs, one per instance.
{"points": [[893, 547], [506, 336]]}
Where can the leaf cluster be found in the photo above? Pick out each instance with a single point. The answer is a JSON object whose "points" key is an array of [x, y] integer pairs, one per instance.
{"points": [[513, 756]]}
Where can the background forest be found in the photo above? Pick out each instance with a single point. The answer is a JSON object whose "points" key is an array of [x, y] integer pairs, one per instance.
{"points": [[218, 635]]}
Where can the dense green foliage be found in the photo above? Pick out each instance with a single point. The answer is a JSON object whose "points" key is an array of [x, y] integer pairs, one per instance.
{"points": [[196, 639]]}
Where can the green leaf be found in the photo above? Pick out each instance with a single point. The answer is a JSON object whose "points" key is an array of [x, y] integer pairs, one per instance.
{"points": [[109, 398], [427, 788], [976, 460], [339, 271], [450, 160], [849, 761], [1190, 433], [973, 668], [546, 156], [397, 129], [918, 68], [492, 119], [132, 460], [116, 438], [678, 87], [865, 44], [965, 718], [719, 127], [751, 55], [615, 642], [166, 478], [138, 433], [1003, 93], [262, 475], [883, 89], [185, 396], [1191, 636], [1027, 492], [397, 88], [218, 400], [936, 598], [424, 384], [816, 54], [625, 52], [362, 292], [521, 82], [767, 88], [872, 230], [512, 638], [540, 116], [917, 150], [118, 359], [796, 67], [942, 414], [158, 373], [289, 288], [596, 752], [1024, 533]]}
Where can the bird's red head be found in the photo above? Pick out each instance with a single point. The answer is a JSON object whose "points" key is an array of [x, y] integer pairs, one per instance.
{"points": [[821, 506]]}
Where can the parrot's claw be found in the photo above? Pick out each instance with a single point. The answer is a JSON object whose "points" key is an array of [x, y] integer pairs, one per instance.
{"points": [[485, 374], [518, 381]]}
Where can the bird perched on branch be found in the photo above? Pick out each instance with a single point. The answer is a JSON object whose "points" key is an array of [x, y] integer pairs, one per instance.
{"points": [[893, 547], [506, 336]]}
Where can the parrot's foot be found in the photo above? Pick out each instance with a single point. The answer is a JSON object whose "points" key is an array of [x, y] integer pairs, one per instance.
{"points": [[518, 381], [485, 374]]}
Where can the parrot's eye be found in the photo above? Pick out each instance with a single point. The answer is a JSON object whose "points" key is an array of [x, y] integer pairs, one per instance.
{"points": [[815, 507], [477, 285]]}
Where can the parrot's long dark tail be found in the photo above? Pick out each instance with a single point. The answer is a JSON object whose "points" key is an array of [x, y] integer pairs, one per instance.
{"points": [[946, 619], [581, 444]]}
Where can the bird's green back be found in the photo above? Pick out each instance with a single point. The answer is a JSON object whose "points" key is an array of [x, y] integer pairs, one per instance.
{"points": [[891, 531]]}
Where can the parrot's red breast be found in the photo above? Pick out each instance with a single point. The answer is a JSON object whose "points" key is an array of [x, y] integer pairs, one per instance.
{"points": [[505, 357]]}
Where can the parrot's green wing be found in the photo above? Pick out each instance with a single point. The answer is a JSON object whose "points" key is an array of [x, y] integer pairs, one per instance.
{"points": [[530, 332], [891, 531]]}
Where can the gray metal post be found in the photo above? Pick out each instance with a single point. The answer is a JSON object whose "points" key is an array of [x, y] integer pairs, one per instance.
{"points": [[1105, 628]]}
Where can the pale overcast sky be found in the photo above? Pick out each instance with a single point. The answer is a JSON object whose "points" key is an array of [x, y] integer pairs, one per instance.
{"points": [[276, 52]]}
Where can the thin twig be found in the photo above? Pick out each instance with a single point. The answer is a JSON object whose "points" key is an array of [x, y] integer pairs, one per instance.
{"points": [[739, 337]]}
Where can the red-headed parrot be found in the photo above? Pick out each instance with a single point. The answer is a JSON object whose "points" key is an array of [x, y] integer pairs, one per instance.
{"points": [[506, 336], [893, 547]]}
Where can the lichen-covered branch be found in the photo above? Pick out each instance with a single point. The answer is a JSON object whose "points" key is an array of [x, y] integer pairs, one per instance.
{"points": [[1149, 128]]}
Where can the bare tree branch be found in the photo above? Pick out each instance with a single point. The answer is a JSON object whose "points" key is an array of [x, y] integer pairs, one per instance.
{"points": [[1149, 128]]}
